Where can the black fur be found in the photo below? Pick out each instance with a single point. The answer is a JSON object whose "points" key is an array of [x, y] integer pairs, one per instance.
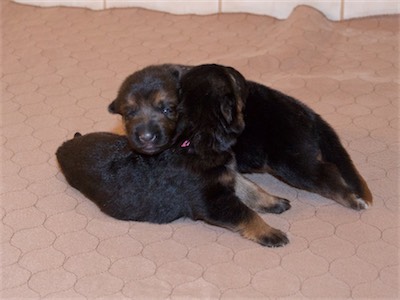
{"points": [[287, 139], [282, 136], [190, 179]]}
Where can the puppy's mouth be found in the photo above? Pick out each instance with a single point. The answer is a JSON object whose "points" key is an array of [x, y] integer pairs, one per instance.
{"points": [[148, 148], [147, 140]]}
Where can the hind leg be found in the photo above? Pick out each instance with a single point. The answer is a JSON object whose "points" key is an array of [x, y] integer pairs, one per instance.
{"points": [[331, 184], [322, 178], [256, 198]]}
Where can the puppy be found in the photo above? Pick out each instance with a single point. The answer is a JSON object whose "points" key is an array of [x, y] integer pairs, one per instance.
{"points": [[287, 139], [282, 136], [193, 178], [147, 100]]}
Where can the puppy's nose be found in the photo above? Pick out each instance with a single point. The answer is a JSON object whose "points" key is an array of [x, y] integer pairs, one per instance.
{"points": [[147, 137]]}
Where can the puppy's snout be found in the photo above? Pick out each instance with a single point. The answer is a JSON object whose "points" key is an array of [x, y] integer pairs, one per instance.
{"points": [[146, 136]]}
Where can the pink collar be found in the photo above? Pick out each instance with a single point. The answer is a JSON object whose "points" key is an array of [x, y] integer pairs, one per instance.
{"points": [[185, 144]]}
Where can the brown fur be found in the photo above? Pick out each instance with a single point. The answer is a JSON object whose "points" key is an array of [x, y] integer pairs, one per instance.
{"points": [[147, 101]]}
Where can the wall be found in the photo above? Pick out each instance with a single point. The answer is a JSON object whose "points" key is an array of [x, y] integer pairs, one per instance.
{"points": [[333, 9]]}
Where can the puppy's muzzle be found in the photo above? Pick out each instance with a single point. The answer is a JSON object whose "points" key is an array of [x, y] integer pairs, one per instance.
{"points": [[146, 137]]}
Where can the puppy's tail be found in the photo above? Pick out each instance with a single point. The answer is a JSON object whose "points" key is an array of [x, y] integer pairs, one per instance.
{"points": [[333, 151], [77, 134]]}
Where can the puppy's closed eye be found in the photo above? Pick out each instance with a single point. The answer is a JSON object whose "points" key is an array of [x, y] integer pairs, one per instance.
{"points": [[130, 113]]}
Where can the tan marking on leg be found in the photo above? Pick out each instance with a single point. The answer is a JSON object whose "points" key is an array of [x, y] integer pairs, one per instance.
{"points": [[257, 230], [367, 195], [319, 156], [227, 178], [252, 195], [254, 228]]}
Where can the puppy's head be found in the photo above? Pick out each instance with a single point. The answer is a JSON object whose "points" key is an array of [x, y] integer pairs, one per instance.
{"points": [[212, 100], [147, 101]]}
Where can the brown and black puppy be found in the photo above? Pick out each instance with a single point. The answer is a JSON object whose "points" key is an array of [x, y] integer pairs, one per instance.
{"points": [[282, 136], [289, 140], [148, 100], [192, 178]]}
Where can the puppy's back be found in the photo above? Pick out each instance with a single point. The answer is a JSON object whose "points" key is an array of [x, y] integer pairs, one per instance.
{"points": [[126, 185], [92, 160], [91, 152]]}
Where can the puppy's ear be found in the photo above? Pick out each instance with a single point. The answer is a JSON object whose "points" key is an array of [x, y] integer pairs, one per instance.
{"points": [[239, 83], [113, 107], [178, 71], [226, 110]]}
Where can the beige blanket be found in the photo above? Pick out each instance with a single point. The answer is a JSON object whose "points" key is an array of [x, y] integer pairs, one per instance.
{"points": [[61, 67]]}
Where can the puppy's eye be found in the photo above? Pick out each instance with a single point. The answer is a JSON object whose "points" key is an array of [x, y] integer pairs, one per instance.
{"points": [[168, 110], [130, 113]]}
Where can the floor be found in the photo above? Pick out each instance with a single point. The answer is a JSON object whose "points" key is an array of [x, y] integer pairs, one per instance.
{"points": [[61, 68]]}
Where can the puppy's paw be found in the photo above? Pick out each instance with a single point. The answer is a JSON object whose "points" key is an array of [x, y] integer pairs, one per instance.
{"points": [[275, 238], [358, 203], [353, 201], [278, 207], [257, 230]]}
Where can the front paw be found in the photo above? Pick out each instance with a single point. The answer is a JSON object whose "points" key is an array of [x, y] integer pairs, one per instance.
{"points": [[257, 230], [275, 238], [278, 207]]}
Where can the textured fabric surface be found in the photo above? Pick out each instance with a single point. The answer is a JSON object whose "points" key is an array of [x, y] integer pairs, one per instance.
{"points": [[61, 67]]}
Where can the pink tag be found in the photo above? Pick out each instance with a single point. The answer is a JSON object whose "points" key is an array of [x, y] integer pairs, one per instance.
{"points": [[185, 144]]}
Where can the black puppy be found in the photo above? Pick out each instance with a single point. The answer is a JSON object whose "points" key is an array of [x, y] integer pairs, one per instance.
{"points": [[282, 136], [287, 139], [193, 178]]}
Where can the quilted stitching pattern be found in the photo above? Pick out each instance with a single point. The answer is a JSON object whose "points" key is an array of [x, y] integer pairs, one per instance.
{"points": [[61, 68]]}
